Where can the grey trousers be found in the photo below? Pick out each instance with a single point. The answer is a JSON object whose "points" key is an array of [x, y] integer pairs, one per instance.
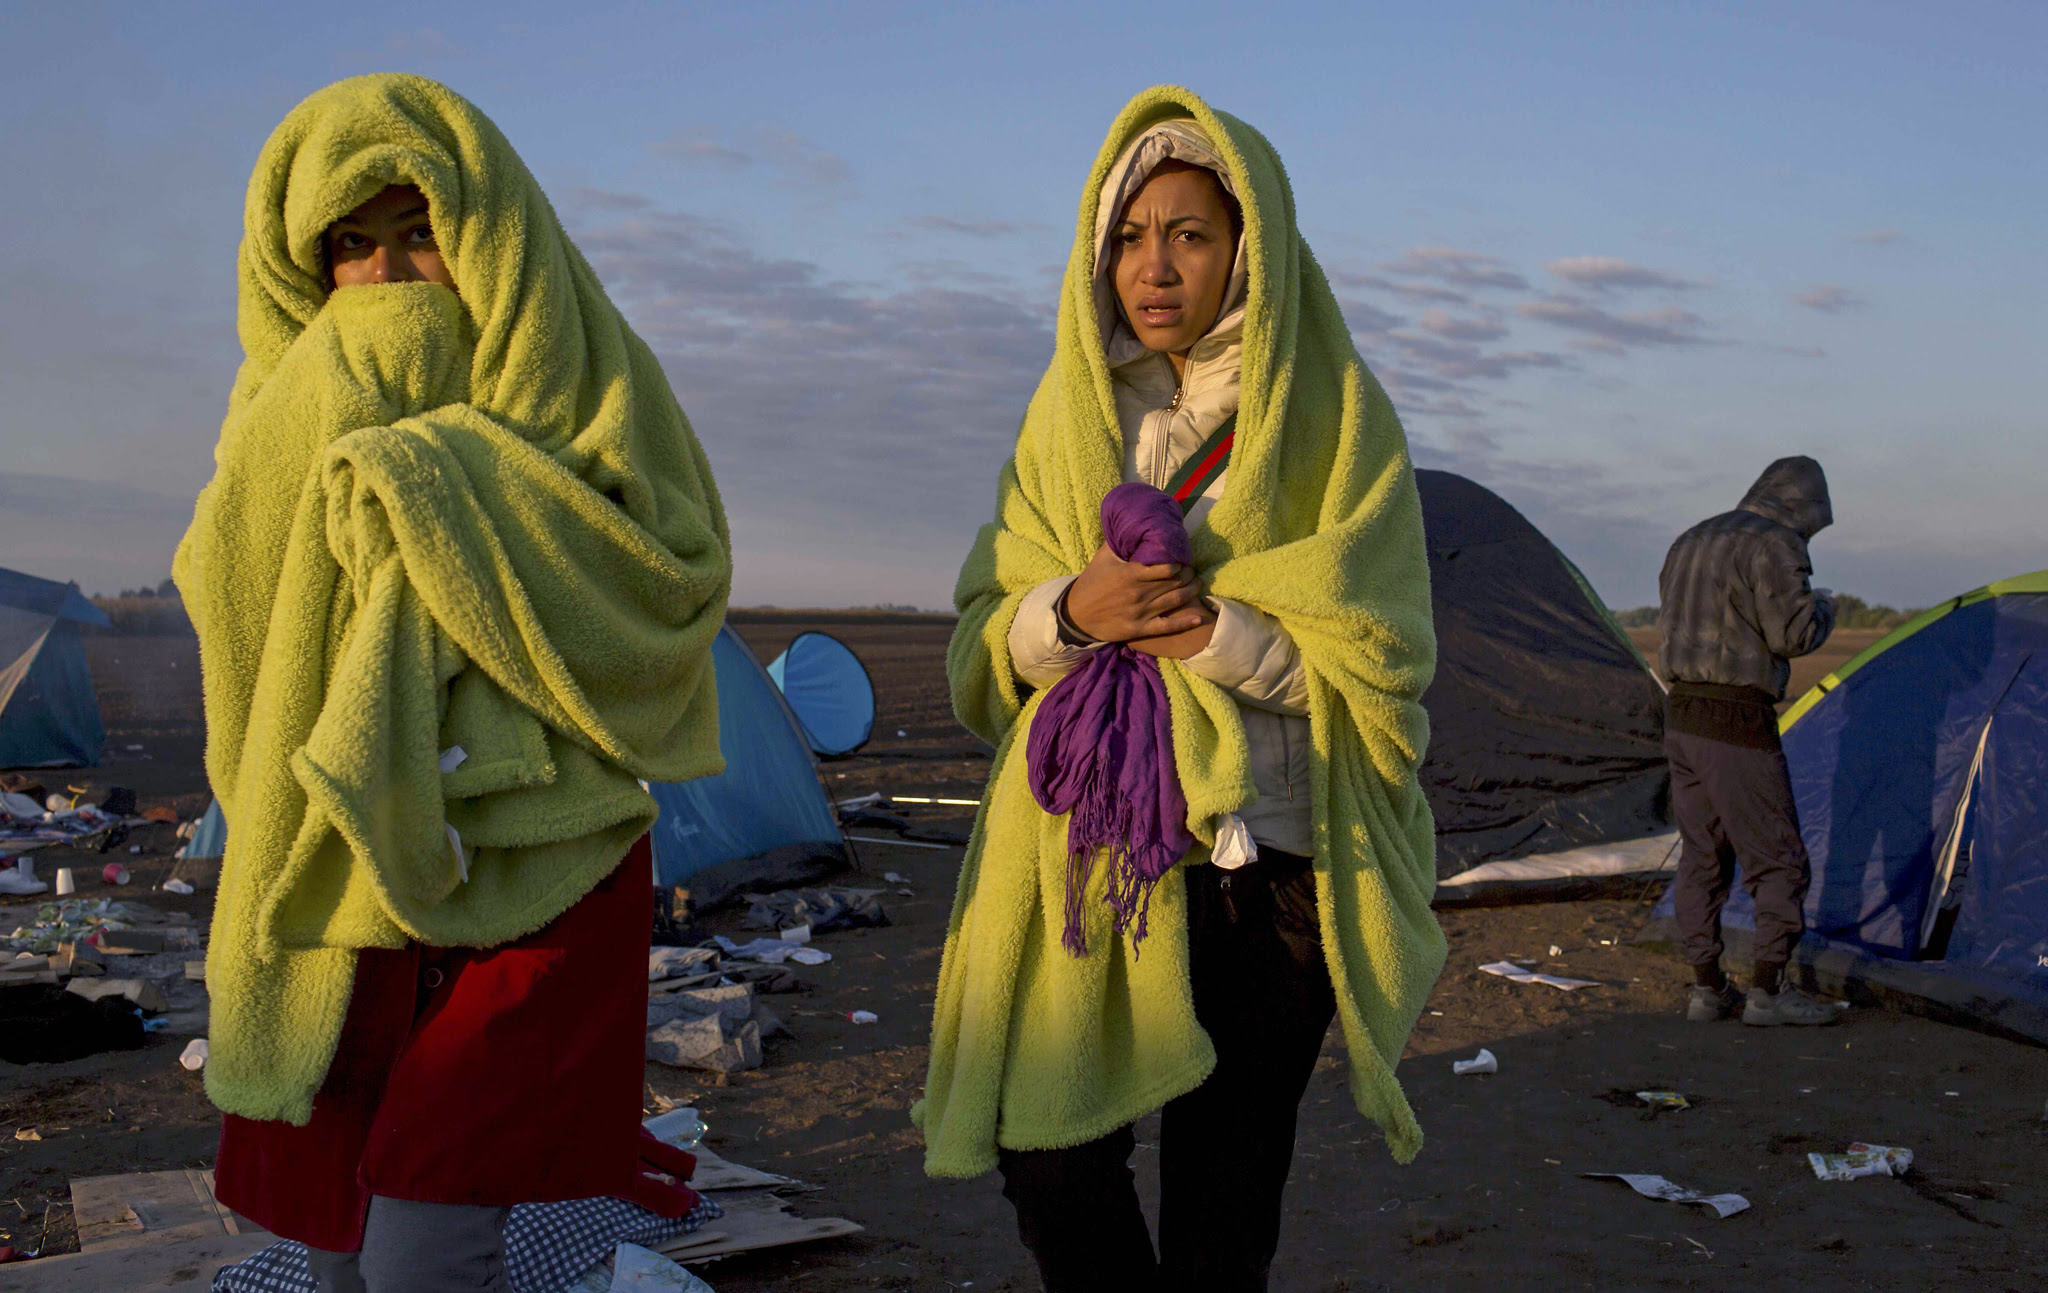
{"points": [[1735, 803], [419, 1248]]}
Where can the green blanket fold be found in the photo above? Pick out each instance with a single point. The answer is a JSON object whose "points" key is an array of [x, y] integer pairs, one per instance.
{"points": [[1321, 526], [439, 520]]}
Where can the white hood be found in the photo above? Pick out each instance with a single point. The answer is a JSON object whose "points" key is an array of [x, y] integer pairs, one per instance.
{"points": [[1180, 140]]}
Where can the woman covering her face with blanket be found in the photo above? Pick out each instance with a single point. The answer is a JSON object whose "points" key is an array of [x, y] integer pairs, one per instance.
{"points": [[456, 580], [1198, 632]]}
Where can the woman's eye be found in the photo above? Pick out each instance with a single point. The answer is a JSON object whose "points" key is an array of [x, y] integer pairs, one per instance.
{"points": [[423, 234], [348, 240]]}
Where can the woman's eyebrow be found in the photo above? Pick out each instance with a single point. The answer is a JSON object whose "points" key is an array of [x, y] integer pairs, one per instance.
{"points": [[410, 212]]}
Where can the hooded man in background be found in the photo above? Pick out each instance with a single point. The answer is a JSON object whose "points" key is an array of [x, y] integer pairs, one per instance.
{"points": [[1738, 604]]}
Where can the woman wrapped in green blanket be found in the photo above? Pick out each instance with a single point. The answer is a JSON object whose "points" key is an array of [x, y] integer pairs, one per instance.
{"points": [[456, 580], [1199, 351]]}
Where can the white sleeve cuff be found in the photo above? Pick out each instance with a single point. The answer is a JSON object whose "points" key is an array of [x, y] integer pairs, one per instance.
{"points": [[1251, 655], [1041, 658]]}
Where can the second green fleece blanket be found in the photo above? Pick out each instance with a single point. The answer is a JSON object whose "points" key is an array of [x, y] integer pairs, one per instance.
{"points": [[456, 579], [1320, 526]]}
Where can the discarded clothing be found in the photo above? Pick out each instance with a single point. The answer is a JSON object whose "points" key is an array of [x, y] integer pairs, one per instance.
{"points": [[821, 909], [439, 519], [42, 1023]]}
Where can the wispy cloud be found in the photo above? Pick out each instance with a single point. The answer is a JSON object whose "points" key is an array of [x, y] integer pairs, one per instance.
{"points": [[795, 160], [898, 402], [1877, 237], [1468, 269], [1609, 273], [1413, 293], [971, 228], [1613, 333], [1456, 328], [1830, 298]]}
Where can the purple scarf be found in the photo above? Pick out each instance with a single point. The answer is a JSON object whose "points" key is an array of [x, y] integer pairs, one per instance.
{"points": [[1101, 745]]}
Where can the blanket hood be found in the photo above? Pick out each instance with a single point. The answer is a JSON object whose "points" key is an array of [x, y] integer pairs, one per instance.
{"points": [[1794, 493]]}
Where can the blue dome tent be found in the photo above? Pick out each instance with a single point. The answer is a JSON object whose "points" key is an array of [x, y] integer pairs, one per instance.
{"points": [[829, 690], [1920, 769], [765, 820], [49, 717]]}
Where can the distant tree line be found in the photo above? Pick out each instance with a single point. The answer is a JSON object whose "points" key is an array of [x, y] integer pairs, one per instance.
{"points": [[1851, 612]]}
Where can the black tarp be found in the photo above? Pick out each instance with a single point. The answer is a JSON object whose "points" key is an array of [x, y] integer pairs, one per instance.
{"points": [[1546, 727]]}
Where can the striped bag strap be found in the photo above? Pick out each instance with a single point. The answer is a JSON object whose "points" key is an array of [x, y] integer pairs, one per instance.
{"points": [[1203, 466]]}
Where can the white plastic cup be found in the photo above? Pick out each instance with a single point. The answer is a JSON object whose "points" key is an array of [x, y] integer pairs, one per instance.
{"points": [[65, 883], [193, 1057]]}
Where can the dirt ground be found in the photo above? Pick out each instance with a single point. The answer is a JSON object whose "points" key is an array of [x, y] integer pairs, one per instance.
{"points": [[1495, 1200]]}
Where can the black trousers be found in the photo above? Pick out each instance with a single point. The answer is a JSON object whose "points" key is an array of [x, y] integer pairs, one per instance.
{"points": [[1734, 801], [1262, 992]]}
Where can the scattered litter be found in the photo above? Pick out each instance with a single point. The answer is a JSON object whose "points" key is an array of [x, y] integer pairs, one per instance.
{"points": [[1664, 1101], [639, 1270], [1555, 950], [893, 878], [144, 994], [681, 1127], [772, 951], [820, 910], [901, 732], [1862, 1160], [114, 873], [865, 1017], [178, 886], [67, 884], [1509, 970], [163, 817], [27, 1133], [675, 962], [1656, 1187], [194, 1055], [798, 934], [1483, 1062]]}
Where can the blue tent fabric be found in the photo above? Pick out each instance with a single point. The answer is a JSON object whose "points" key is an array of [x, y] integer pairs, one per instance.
{"points": [[767, 799], [210, 837], [49, 716], [1882, 771], [829, 690]]}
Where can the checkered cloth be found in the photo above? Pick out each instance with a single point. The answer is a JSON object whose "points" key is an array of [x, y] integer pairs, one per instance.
{"points": [[548, 1246]]}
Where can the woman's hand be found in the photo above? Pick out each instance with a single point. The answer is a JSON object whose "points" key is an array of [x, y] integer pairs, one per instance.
{"points": [[1116, 601], [1181, 645]]}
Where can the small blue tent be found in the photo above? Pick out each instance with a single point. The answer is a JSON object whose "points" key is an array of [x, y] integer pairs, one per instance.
{"points": [[829, 690], [765, 820], [1920, 769], [49, 717]]}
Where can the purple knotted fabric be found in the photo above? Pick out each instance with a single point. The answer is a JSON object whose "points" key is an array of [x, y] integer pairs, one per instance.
{"points": [[1101, 745]]}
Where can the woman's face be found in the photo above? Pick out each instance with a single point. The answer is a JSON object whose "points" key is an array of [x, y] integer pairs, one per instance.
{"points": [[387, 240], [1171, 256]]}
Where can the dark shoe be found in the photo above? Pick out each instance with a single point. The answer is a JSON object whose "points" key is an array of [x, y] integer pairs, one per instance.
{"points": [[1709, 1005], [1787, 1006]]}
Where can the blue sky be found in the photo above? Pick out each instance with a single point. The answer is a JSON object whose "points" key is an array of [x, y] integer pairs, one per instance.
{"points": [[1610, 260]]}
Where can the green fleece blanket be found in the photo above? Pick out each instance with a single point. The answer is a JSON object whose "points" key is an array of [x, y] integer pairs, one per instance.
{"points": [[456, 579], [1321, 526]]}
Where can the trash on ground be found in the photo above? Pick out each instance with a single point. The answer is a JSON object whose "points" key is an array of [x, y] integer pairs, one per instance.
{"points": [[45, 1024], [194, 1055], [639, 1270], [27, 1133], [1663, 1101], [1862, 1160], [179, 887], [1483, 1062], [1555, 950], [1509, 970], [1656, 1187], [711, 1028], [675, 962], [893, 878], [682, 1127], [822, 909], [144, 994], [771, 951]]}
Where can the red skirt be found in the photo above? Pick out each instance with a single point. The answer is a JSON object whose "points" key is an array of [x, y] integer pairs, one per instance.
{"points": [[491, 1076]]}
